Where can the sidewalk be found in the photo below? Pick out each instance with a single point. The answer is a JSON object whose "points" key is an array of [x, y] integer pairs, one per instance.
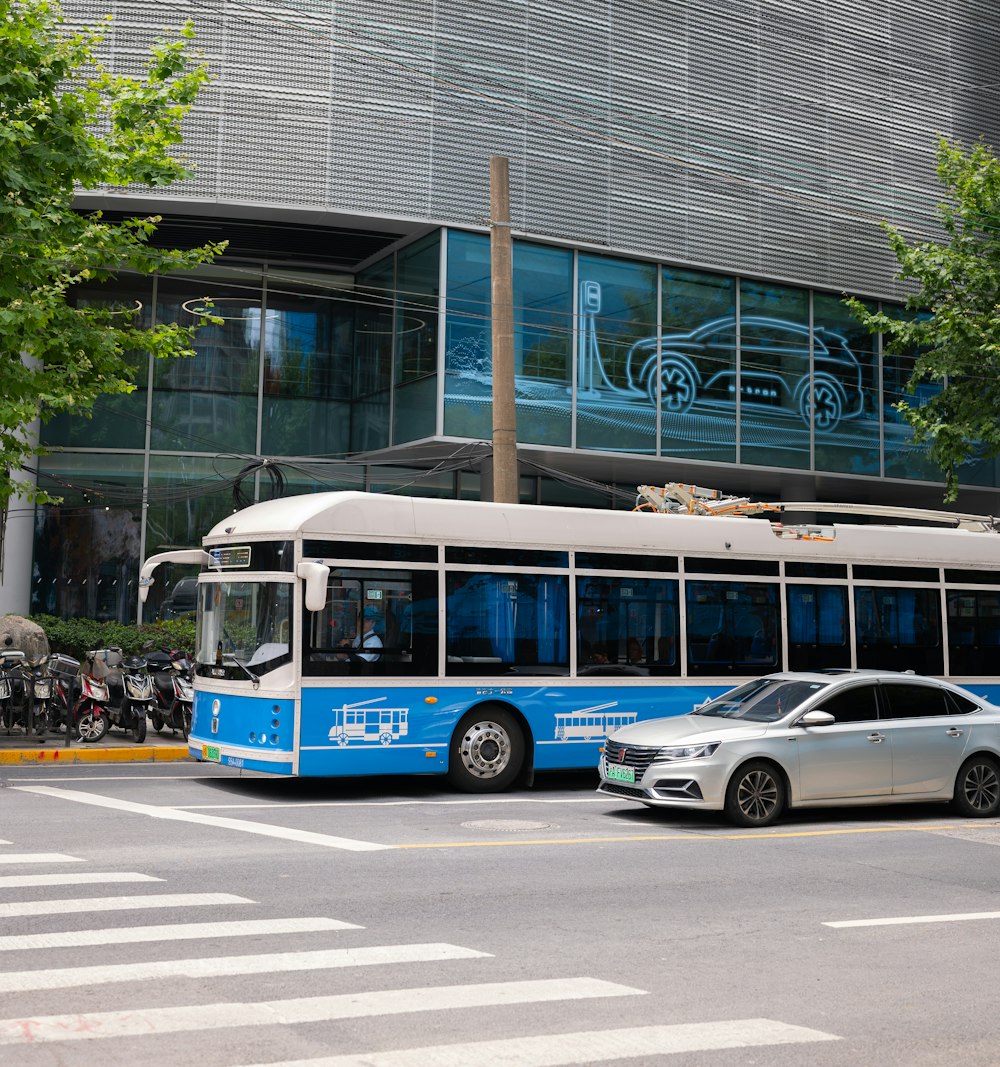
{"points": [[116, 747]]}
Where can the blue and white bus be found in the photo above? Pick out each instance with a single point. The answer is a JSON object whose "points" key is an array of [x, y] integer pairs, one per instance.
{"points": [[500, 640]]}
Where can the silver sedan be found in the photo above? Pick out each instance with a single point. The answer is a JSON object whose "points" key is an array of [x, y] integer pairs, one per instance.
{"points": [[814, 739]]}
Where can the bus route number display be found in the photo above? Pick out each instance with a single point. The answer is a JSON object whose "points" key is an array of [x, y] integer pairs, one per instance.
{"points": [[231, 556]]}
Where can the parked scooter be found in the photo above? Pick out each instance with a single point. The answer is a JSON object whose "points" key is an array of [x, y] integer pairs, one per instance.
{"points": [[174, 691], [64, 672], [90, 711], [12, 700], [38, 684], [132, 695]]}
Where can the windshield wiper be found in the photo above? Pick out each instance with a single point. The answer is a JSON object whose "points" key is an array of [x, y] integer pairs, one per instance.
{"points": [[246, 670]]}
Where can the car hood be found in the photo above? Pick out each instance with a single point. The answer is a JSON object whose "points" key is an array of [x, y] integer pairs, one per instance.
{"points": [[687, 730]]}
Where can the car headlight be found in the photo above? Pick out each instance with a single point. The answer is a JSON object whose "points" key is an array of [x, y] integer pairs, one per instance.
{"points": [[675, 752]]}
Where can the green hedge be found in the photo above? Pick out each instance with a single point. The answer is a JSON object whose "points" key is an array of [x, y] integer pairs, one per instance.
{"points": [[76, 637]]}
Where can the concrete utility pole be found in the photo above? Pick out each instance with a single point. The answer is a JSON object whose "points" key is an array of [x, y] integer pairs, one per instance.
{"points": [[505, 482]]}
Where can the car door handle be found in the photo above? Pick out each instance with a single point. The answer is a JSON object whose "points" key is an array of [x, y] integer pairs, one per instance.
{"points": [[876, 739], [954, 732]]}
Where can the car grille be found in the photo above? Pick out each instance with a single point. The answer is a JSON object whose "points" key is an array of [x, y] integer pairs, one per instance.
{"points": [[636, 756], [623, 790]]}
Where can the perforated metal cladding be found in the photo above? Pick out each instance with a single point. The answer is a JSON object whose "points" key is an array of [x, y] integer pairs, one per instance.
{"points": [[760, 136]]}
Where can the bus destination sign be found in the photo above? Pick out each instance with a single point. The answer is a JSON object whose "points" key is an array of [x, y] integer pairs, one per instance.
{"points": [[231, 556]]}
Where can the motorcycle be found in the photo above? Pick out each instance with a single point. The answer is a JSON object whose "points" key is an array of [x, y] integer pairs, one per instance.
{"points": [[174, 691], [132, 695]]}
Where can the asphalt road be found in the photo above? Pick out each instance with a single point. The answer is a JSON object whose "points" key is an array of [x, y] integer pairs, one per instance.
{"points": [[182, 914]]}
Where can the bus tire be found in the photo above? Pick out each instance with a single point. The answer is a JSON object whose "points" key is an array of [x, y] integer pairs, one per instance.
{"points": [[487, 751]]}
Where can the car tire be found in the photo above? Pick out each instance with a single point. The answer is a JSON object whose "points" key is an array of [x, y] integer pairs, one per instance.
{"points": [[977, 788], [755, 795], [676, 385], [487, 751]]}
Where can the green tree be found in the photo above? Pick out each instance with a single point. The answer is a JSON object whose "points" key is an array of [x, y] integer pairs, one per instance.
{"points": [[67, 123], [953, 325]]}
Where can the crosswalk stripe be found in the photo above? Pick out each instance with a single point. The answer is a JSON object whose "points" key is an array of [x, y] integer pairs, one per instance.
{"points": [[286, 833], [80, 904], [218, 966], [24, 881], [37, 857], [196, 1018], [131, 935], [586, 1046]]}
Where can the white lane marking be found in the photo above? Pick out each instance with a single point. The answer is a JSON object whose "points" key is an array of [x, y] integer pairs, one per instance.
{"points": [[219, 966], [587, 1046], [79, 904], [905, 920], [37, 857], [22, 881], [196, 1018], [284, 832], [132, 935], [3, 842]]}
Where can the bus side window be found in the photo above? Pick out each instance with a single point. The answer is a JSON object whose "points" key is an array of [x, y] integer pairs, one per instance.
{"points": [[817, 627], [732, 625]]}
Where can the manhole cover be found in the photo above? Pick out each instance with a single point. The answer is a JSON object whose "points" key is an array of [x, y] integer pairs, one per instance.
{"points": [[508, 825]]}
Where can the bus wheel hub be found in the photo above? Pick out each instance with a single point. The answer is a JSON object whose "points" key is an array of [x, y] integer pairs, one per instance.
{"points": [[485, 749]]}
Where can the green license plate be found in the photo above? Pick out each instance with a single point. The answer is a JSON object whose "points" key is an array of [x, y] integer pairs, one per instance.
{"points": [[211, 752], [620, 774]]}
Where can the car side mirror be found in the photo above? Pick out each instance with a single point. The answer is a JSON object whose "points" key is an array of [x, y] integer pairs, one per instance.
{"points": [[816, 718]]}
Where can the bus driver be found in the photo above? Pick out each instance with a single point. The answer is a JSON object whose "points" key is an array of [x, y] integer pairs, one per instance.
{"points": [[367, 642]]}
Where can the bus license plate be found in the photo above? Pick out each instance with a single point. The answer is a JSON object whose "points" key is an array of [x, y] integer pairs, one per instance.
{"points": [[211, 752], [620, 774]]}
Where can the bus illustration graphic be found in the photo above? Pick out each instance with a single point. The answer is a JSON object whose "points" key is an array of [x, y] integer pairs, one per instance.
{"points": [[363, 722], [590, 723]]}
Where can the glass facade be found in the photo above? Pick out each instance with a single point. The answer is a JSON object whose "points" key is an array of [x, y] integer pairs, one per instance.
{"points": [[310, 367]]}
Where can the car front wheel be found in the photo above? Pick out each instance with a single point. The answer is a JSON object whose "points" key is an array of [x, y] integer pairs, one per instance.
{"points": [[977, 788], [756, 795]]}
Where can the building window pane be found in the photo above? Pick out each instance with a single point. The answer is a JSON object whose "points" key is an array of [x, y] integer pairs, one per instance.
{"points": [[308, 344], [86, 560], [118, 421], [695, 378], [846, 364], [417, 285], [774, 384], [373, 333], [617, 314], [208, 403], [468, 395]]}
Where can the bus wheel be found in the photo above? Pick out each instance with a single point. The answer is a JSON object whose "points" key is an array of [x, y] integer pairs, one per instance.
{"points": [[487, 752]]}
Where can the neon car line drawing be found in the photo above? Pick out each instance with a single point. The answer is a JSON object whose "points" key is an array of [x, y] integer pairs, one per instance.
{"points": [[774, 369]]}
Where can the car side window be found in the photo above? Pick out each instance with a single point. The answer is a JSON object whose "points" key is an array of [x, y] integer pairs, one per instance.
{"points": [[912, 701], [961, 705], [854, 704]]}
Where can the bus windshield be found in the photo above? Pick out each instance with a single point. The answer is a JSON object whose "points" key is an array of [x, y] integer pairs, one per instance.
{"points": [[244, 622]]}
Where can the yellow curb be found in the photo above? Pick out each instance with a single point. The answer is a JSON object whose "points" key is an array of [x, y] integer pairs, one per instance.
{"points": [[79, 754]]}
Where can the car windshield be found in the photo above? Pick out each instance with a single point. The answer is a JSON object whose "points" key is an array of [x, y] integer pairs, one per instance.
{"points": [[764, 700]]}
